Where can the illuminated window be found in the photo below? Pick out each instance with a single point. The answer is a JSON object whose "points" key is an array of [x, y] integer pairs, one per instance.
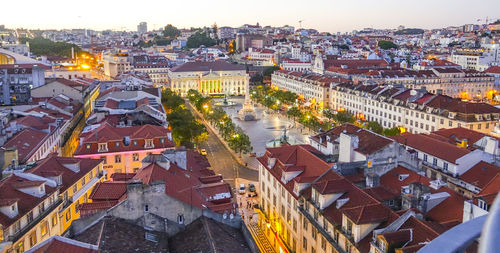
{"points": [[135, 157], [44, 228], [32, 238], [54, 219]]}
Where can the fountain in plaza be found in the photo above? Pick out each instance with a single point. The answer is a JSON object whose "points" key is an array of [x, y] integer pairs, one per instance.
{"points": [[247, 113], [225, 102], [283, 140]]}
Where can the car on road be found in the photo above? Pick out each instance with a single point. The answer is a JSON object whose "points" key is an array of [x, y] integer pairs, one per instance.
{"points": [[203, 151], [242, 189], [251, 187]]}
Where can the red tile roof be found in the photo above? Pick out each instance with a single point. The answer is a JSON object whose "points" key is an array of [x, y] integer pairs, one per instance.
{"points": [[27, 142], [367, 213], [369, 142], [298, 155], [481, 174], [493, 70], [187, 185], [108, 191], [455, 135], [432, 146], [57, 244], [9, 189], [54, 164], [106, 133]]}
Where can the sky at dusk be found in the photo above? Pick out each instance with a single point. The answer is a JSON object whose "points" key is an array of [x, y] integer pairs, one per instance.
{"points": [[324, 15]]}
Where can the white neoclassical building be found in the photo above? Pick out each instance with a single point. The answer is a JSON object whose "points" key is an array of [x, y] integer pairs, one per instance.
{"points": [[209, 77]]}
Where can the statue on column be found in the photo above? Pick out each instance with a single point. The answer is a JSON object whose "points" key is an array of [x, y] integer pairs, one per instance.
{"points": [[247, 113]]}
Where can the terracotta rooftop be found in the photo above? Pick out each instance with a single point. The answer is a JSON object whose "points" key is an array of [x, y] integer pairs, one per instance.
{"points": [[432, 146]]}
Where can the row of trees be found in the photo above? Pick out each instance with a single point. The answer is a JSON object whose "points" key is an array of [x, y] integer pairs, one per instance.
{"points": [[186, 130], [233, 135], [40, 46], [278, 100]]}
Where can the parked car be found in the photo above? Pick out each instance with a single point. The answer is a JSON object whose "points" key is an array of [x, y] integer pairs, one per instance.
{"points": [[203, 151], [251, 187], [242, 189]]}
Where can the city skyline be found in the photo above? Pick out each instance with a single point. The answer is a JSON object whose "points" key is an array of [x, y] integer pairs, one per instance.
{"points": [[333, 16]]}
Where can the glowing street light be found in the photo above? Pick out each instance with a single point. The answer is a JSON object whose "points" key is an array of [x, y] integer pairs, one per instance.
{"points": [[205, 106], [235, 135]]}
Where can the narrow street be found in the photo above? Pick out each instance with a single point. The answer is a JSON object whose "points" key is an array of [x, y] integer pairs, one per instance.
{"points": [[222, 161]]}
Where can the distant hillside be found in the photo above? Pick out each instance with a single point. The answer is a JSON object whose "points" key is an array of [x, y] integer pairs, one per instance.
{"points": [[409, 31]]}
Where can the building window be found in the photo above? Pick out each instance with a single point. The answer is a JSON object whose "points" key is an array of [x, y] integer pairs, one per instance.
{"points": [[17, 226], [77, 206], [425, 157], [323, 243], [104, 160], [294, 224], [103, 147], [44, 228], [75, 189], [118, 158], [149, 143], [304, 243], [135, 157], [19, 247], [434, 161], [68, 215], [349, 227], [41, 208], [83, 181], [146, 208], [445, 166], [32, 239], [30, 216], [304, 223], [314, 232], [180, 219]]}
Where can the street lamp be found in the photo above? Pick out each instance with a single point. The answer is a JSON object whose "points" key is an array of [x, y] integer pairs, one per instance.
{"points": [[205, 106]]}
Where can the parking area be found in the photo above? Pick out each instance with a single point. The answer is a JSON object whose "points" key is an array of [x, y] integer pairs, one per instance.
{"points": [[247, 200]]}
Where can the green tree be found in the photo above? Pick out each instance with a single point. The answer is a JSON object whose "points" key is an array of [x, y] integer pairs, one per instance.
{"points": [[185, 129], [198, 39], [392, 131], [294, 112], [344, 117], [329, 114], [386, 45], [40, 46], [270, 70], [240, 142], [171, 31], [171, 101], [375, 127]]}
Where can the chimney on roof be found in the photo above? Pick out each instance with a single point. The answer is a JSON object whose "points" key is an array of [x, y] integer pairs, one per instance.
{"points": [[348, 143]]}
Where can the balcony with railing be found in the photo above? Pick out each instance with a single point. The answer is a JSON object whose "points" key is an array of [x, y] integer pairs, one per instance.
{"points": [[35, 221], [325, 234]]}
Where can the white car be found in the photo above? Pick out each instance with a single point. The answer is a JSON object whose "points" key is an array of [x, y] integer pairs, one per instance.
{"points": [[242, 189]]}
